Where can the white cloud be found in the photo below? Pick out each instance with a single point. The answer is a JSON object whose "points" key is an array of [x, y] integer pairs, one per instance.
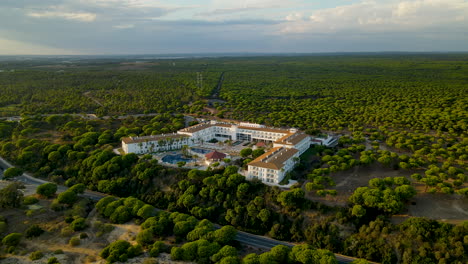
{"points": [[29, 48], [370, 16], [252, 3], [294, 16], [77, 16], [124, 26]]}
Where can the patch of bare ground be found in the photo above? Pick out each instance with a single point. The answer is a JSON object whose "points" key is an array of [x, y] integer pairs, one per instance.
{"points": [[14, 259], [52, 240], [28, 190], [126, 232], [359, 176], [450, 208], [443, 207], [163, 258]]}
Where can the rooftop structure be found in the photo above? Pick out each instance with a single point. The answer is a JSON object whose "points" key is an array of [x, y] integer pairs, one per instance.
{"points": [[148, 144], [271, 167], [215, 155], [274, 158], [292, 138], [131, 140]]}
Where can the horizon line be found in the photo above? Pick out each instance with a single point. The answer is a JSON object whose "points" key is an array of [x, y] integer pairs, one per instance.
{"points": [[233, 53]]}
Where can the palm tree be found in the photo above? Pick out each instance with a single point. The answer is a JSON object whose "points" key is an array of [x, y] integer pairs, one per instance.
{"points": [[185, 150]]}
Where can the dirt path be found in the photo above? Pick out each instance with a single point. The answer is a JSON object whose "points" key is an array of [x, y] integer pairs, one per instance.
{"points": [[456, 205], [215, 93], [88, 94]]}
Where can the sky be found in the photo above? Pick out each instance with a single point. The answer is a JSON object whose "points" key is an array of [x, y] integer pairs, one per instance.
{"points": [[74, 27]]}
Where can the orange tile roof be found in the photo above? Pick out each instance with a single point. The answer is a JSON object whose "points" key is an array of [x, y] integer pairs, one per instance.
{"points": [[292, 138], [215, 155], [274, 159]]}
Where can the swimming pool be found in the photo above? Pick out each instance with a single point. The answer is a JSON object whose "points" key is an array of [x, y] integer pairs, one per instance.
{"points": [[200, 150], [173, 159]]}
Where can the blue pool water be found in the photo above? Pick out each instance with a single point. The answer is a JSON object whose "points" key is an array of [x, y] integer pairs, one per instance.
{"points": [[173, 159], [200, 150]]}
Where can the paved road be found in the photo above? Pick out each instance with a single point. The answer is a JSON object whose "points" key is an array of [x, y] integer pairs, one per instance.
{"points": [[28, 179], [268, 243], [242, 237]]}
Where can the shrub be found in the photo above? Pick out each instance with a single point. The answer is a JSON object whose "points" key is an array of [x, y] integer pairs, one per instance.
{"points": [[12, 172], [83, 235], [145, 237], [78, 224], [30, 213], [58, 251], [36, 255], [56, 206], [74, 241], [120, 215], [176, 253], [69, 219], [47, 189], [157, 248], [33, 231], [78, 188], [67, 197], [120, 250], [66, 231], [53, 260], [150, 261], [28, 200], [12, 239], [11, 250], [146, 211], [3, 227]]}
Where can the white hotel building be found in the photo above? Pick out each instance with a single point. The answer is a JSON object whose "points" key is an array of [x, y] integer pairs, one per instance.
{"points": [[150, 144], [271, 167]]}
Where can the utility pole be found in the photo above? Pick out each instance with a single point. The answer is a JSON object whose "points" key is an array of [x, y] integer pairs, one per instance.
{"points": [[199, 80]]}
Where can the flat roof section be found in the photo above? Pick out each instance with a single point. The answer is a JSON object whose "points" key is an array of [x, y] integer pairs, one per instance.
{"points": [[196, 128], [292, 139], [132, 140], [266, 129]]}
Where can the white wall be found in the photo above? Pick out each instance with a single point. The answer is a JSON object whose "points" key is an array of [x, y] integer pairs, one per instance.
{"points": [[153, 146]]}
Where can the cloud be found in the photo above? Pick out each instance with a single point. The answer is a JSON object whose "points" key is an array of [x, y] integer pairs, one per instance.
{"points": [[294, 16], [30, 48], [225, 11], [158, 26], [229, 22], [370, 16], [78, 16], [124, 26]]}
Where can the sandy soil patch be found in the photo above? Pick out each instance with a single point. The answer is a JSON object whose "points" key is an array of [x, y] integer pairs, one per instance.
{"points": [[443, 207], [359, 176], [447, 208], [29, 190]]}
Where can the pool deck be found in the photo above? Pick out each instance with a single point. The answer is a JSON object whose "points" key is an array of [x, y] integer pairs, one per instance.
{"points": [[199, 163]]}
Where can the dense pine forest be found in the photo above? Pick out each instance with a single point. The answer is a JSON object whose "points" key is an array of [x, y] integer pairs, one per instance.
{"points": [[394, 190]]}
